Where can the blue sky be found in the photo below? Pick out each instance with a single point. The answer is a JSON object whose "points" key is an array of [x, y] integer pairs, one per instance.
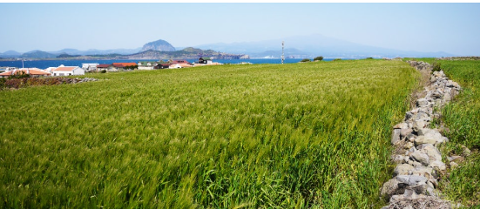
{"points": [[451, 28]]}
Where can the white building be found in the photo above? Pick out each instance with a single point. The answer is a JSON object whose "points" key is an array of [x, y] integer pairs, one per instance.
{"points": [[50, 70], [90, 66], [68, 70], [173, 66], [146, 65]]}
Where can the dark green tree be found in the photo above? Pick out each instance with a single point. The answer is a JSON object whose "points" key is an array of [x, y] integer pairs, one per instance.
{"points": [[305, 60]]}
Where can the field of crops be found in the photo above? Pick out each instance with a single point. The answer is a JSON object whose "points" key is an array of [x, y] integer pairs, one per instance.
{"points": [[277, 136]]}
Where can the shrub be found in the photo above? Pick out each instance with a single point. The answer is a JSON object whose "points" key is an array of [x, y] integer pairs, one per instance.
{"points": [[305, 60], [319, 58], [338, 59], [14, 83], [103, 71], [436, 67], [2, 83], [19, 74], [369, 58]]}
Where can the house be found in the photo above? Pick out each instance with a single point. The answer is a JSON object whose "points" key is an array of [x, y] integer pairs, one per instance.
{"points": [[125, 66], [180, 64], [50, 70], [33, 72], [162, 66], [89, 67], [173, 66], [106, 67], [205, 60], [68, 70], [147, 65]]}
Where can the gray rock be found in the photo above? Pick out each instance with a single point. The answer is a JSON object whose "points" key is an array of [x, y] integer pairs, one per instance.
{"points": [[395, 136], [430, 189], [403, 169], [420, 157], [411, 180], [420, 188], [422, 116], [447, 97], [422, 102], [411, 137], [408, 145], [429, 133], [419, 124], [423, 171], [438, 165], [398, 159], [390, 188], [405, 132], [437, 94], [411, 150], [451, 83], [409, 193], [432, 152], [416, 164], [425, 140], [400, 126], [408, 116]]}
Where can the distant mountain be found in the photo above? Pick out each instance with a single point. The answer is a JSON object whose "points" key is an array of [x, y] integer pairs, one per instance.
{"points": [[96, 51], [67, 51], [111, 51], [158, 45], [187, 53], [316, 45], [38, 54], [10, 54]]}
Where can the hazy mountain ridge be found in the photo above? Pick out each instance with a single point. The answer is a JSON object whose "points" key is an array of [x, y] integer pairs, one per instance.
{"points": [[315, 45]]}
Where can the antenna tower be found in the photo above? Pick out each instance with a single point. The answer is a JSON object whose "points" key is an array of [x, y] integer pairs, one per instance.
{"points": [[283, 55]]}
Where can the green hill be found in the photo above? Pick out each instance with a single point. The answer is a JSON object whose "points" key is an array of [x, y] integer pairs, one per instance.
{"points": [[38, 54]]}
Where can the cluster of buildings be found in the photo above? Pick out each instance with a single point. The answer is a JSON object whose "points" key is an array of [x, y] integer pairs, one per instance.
{"points": [[51, 71], [147, 65], [114, 67]]}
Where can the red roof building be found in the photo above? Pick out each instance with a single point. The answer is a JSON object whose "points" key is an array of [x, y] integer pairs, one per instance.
{"points": [[180, 62], [103, 66], [34, 72], [122, 65]]}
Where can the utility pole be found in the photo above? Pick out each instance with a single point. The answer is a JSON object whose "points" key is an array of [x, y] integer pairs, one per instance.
{"points": [[283, 55]]}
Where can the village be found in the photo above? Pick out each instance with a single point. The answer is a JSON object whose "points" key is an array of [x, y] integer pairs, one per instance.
{"points": [[103, 68]]}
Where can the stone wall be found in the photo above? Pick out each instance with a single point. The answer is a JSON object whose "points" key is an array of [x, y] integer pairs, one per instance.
{"points": [[417, 157]]}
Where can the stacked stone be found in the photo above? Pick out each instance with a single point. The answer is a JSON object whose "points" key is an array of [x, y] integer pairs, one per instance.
{"points": [[419, 162], [78, 80], [87, 80]]}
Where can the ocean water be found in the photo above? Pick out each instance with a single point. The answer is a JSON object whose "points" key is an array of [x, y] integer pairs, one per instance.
{"points": [[43, 64]]}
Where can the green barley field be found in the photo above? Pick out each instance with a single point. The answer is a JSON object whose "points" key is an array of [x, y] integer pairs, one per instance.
{"points": [[234, 136]]}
